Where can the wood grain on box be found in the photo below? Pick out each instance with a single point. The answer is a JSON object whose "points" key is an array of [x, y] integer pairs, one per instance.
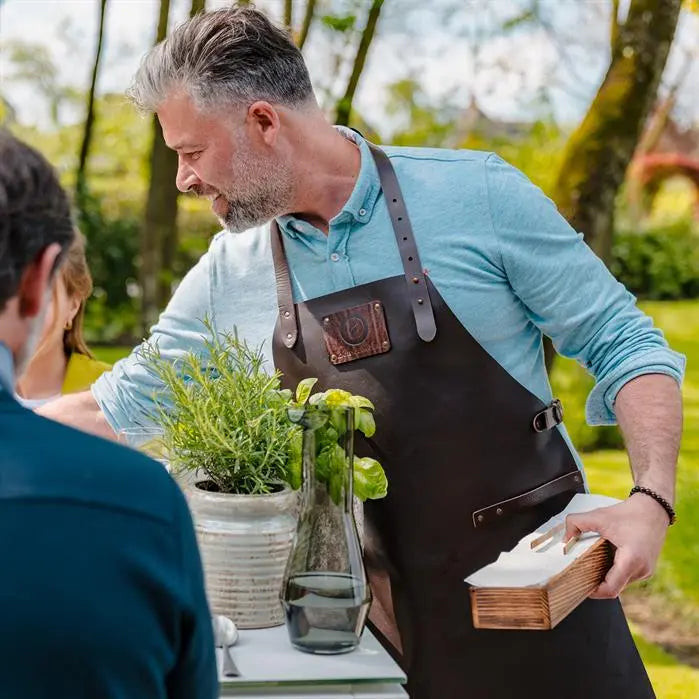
{"points": [[542, 607]]}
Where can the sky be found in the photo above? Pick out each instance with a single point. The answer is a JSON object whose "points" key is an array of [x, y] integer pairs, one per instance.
{"points": [[453, 54]]}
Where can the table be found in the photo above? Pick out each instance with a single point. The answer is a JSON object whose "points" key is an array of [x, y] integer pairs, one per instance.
{"points": [[271, 667]]}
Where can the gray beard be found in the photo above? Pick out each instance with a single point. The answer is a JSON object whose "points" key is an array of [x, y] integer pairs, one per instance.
{"points": [[250, 213], [267, 191]]}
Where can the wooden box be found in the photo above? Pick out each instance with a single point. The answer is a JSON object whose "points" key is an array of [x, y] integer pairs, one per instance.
{"points": [[542, 607]]}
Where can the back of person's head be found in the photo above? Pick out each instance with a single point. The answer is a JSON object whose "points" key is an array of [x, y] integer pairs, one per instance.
{"points": [[231, 56], [34, 212]]}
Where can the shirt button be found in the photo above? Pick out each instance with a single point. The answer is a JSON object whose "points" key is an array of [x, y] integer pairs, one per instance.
{"points": [[362, 212], [334, 257]]}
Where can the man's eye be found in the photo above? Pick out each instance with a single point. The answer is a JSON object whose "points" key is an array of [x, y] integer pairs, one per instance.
{"points": [[195, 155]]}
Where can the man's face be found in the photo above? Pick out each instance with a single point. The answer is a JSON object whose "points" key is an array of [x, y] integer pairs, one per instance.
{"points": [[220, 157]]}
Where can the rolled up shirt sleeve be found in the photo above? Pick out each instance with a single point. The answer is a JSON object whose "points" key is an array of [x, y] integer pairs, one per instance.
{"points": [[569, 293], [126, 393]]}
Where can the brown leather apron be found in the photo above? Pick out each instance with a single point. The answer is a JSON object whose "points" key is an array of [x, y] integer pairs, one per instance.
{"points": [[474, 462]]}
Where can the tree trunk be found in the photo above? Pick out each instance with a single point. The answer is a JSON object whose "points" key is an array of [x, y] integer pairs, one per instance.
{"points": [[306, 25], [90, 116], [288, 13], [600, 149], [344, 106], [159, 239], [160, 219]]}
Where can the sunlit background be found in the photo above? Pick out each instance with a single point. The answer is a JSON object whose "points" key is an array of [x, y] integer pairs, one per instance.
{"points": [[521, 77]]}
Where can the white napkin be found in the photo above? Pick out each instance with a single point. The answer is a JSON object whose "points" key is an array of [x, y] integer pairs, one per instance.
{"points": [[524, 567]]}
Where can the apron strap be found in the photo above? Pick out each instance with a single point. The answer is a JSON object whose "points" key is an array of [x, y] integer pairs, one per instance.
{"points": [[414, 273], [412, 267], [285, 297]]}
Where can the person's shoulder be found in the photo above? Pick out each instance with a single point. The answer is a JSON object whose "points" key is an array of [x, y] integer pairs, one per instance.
{"points": [[241, 253], [442, 169], [437, 155], [225, 243], [43, 459]]}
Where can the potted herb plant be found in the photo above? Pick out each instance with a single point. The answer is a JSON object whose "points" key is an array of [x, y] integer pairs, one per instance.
{"points": [[236, 452]]}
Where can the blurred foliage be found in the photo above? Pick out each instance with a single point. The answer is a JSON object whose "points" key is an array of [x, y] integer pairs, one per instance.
{"points": [[536, 149], [659, 263], [112, 213], [112, 313], [31, 63], [572, 384]]}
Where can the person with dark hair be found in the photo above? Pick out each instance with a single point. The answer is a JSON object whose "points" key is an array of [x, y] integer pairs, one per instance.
{"points": [[102, 590], [423, 279]]}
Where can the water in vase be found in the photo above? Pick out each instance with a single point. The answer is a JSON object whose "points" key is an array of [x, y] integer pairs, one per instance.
{"points": [[325, 611]]}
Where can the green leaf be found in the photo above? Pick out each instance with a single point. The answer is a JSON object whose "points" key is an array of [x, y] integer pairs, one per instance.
{"points": [[295, 465], [370, 481], [337, 23], [361, 402], [303, 390], [336, 398], [323, 466], [365, 423], [338, 420]]}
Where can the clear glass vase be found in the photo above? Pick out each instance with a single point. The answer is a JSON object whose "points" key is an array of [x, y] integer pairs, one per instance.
{"points": [[326, 595]]}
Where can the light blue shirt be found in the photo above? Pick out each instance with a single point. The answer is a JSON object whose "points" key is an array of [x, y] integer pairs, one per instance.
{"points": [[504, 260]]}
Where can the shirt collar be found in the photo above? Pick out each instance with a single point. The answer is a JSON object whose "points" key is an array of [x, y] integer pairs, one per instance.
{"points": [[7, 369], [360, 205]]}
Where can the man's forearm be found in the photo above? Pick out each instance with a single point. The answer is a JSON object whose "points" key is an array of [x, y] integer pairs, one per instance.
{"points": [[649, 413], [79, 410]]}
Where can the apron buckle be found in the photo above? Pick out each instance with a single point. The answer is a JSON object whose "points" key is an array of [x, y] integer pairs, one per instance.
{"points": [[548, 418]]}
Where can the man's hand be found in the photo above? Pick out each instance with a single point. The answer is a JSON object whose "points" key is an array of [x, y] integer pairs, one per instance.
{"points": [[637, 527]]}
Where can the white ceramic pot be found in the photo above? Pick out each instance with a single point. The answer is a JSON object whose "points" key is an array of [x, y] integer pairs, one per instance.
{"points": [[244, 542]]}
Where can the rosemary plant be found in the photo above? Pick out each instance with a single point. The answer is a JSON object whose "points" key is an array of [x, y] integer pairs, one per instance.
{"points": [[227, 417]]}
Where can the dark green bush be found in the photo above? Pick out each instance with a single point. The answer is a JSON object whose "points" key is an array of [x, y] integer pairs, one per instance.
{"points": [[659, 263], [111, 314]]}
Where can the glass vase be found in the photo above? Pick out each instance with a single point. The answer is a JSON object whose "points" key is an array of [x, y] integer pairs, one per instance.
{"points": [[326, 595]]}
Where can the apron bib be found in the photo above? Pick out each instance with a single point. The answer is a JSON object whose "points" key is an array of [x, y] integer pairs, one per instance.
{"points": [[474, 462]]}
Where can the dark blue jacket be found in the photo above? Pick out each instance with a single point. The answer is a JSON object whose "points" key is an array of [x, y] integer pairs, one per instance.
{"points": [[101, 589]]}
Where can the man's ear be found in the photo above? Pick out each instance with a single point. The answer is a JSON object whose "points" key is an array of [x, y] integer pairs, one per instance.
{"points": [[36, 280], [263, 121]]}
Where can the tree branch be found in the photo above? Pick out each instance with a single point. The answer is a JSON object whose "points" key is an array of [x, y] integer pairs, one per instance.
{"points": [[197, 6], [307, 19], [344, 106], [614, 28], [90, 117]]}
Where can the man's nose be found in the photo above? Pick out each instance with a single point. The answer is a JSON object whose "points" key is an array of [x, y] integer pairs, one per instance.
{"points": [[186, 177]]}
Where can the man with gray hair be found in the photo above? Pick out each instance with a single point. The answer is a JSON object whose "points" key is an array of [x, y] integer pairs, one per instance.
{"points": [[424, 280]]}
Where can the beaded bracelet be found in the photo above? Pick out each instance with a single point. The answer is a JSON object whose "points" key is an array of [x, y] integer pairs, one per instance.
{"points": [[658, 498]]}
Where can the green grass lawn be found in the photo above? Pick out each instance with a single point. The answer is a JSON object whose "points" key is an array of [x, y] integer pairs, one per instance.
{"points": [[671, 680], [677, 578], [109, 354]]}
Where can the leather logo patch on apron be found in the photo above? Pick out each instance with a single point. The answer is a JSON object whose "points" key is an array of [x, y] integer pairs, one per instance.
{"points": [[356, 332]]}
